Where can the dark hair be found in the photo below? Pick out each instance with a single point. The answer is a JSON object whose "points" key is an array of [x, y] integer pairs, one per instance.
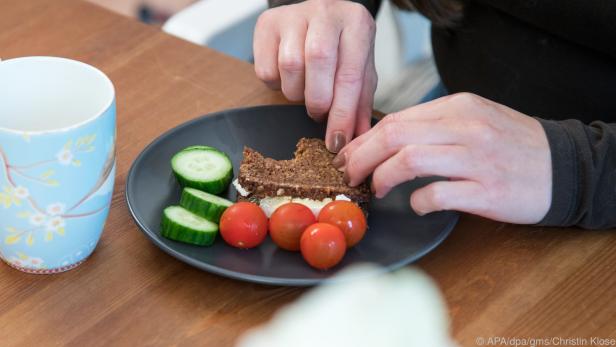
{"points": [[442, 13]]}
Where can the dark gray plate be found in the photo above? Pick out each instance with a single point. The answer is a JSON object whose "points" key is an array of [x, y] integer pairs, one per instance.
{"points": [[396, 236]]}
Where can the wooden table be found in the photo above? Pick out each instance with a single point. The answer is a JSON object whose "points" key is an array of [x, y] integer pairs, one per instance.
{"points": [[498, 279]]}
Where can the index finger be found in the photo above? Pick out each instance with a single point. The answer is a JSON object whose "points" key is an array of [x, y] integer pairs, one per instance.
{"points": [[353, 57], [321, 55], [388, 140], [429, 111], [265, 49]]}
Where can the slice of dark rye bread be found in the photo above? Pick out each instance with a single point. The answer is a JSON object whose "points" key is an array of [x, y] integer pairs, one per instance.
{"points": [[309, 175]]}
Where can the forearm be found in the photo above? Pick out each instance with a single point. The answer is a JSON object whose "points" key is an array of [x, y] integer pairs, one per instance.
{"points": [[584, 174], [371, 5]]}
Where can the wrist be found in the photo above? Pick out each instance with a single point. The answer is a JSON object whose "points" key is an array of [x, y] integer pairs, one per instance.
{"points": [[564, 174]]}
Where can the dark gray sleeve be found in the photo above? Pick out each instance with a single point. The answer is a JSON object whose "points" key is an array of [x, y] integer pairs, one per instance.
{"points": [[583, 174], [371, 5]]}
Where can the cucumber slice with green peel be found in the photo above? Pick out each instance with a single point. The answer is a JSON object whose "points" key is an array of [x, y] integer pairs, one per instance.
{"points": [[206, 205], [179, 224], [202, 167]]}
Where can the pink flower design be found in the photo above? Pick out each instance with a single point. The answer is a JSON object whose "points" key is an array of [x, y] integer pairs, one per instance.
{"points": [[65, 157], [28, 262], [55, 224], [37, 219], [21, 192], [56, 209]]}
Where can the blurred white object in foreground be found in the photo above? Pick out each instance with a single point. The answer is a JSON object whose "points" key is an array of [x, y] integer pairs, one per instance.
{"points": [[401, 309]]}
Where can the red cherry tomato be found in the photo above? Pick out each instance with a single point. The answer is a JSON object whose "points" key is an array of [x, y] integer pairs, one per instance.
{"points": [[348, 217], [323, 245], [287, 224], [243, 225]]}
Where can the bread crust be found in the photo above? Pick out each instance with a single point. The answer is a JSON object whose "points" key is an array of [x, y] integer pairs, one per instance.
{"points": [[309, 174]]}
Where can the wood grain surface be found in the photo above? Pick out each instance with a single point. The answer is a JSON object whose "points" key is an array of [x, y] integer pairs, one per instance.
{"points": [[498, 279]]}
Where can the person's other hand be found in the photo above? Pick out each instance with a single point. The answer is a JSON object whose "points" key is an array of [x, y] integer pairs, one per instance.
{"points": [[321, 51], [497, 160]]}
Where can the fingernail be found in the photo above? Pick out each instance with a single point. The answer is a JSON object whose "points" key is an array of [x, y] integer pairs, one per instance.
{"points": [[339, 160], [346, 178], [336, 141]]}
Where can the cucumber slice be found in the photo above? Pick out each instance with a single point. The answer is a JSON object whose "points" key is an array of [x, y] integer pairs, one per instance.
{"points": [[204, 204], [179, 224], [202, 167]]}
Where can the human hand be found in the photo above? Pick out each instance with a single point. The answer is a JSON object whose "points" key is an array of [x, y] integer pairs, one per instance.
{"points": [[321, 51], [497, 160]]}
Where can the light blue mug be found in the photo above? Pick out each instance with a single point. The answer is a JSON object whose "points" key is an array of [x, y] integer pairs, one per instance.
{"points": [[57, 161]]}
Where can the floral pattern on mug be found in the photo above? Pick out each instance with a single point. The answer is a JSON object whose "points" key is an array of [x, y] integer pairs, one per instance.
{"points": [[65, 157], [52, 219], [22, 260], [21, 192], [55, 209], [37, 219]]}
